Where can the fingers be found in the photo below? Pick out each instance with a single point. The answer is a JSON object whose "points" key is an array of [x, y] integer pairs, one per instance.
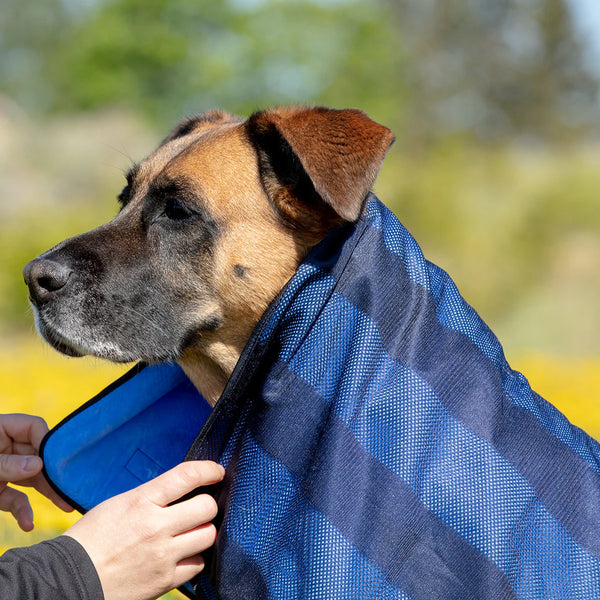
{"points": [[25, 470], [191, 513], [194, 541], [137, 535], [188, 568], [43, 487], [16, 502], [25, 429], [18, 468], [181, 480]]}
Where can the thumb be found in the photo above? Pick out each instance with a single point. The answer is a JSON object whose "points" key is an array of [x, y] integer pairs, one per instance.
{"points": [[16, 468], [180, 480]]}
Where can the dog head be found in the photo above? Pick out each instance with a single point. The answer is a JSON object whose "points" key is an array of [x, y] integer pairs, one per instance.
{"points": [[211, 226]]}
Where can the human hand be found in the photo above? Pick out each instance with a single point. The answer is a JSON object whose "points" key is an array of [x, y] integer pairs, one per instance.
{"points": [[141, 545], [20, 438]]}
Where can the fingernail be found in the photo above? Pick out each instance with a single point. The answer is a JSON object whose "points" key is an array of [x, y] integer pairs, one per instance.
{"points": [[30, 464], [222, 470]]}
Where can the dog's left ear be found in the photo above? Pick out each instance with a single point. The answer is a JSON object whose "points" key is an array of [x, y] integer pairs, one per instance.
{"points": [[308, 152]]}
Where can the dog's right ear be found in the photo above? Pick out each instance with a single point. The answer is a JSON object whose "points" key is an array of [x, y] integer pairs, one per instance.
{"points": [[318, 158]]}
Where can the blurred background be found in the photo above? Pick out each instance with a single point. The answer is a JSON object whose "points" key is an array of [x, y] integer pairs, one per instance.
{"points": [[496, 170]]}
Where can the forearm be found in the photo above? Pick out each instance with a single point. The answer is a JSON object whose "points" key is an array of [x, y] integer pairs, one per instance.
{"points": [[58, 568]]}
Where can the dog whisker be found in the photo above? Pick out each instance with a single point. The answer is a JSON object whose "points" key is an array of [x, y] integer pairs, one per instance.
{"points": [[122, 152], [145, 318]]}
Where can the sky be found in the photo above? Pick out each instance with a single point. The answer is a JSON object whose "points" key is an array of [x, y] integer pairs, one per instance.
{"points": [[587, 14]]}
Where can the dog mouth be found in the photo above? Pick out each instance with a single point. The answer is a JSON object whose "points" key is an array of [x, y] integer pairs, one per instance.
{"points": [[86, 342], [58, 341], [112, 329], [77, 349]]}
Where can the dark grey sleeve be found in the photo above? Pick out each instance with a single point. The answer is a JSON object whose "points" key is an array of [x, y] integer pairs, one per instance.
{"points": [[58, 568]]}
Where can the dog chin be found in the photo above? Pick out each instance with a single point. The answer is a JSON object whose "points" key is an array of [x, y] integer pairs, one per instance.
{"points": [[75, 350], [58, 342], [76, 346], [106, 351]]}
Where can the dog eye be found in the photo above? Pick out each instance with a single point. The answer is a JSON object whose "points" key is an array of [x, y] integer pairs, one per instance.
{"points": [[175, 211]]}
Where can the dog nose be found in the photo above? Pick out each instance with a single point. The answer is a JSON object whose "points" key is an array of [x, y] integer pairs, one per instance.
{"points": [[44, 278]]}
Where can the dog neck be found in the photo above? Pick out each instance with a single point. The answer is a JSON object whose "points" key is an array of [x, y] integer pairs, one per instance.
{"points": [[209, 369]]}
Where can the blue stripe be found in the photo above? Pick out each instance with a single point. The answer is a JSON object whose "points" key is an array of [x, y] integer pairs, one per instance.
{"points": [[453, 312], [406, 317], [274, 545], [242, 577], [374, 509], [398, 418]]}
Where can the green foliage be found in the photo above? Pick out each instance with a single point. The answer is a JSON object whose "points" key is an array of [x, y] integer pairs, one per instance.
{"points": [[493, 69], [498, 69], [172, 57], [29, 32]]}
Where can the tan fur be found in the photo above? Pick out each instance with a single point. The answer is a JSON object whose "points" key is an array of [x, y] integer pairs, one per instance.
{"points": [[225, 165], [220, 157], [340, 150]]}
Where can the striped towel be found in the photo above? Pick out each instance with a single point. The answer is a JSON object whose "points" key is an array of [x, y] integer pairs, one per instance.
{"points": [[378, 445]]}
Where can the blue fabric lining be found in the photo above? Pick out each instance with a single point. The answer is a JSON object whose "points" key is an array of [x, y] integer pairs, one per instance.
{"points": [[125, 437]]}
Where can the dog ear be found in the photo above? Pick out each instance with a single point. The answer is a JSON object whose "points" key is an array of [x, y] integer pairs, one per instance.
{"points": [[318, 154]]}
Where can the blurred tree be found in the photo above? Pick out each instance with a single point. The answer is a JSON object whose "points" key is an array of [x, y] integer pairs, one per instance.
{"points": [[497, 68], [171, 57], [29, 32]]}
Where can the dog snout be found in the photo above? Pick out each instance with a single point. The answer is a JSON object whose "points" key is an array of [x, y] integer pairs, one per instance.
{"points": [[45, 278]]}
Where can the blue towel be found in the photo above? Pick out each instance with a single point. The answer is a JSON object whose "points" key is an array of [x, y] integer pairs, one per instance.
{"points": [[378, 445]]}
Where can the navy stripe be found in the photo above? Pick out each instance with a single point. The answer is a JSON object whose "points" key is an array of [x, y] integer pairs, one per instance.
{"points": [[374, 509], [243, 578], [470, 387]]}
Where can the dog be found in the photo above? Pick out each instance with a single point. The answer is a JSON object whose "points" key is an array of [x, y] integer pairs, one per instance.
{"points": [[212, 224], [376, 442]]}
